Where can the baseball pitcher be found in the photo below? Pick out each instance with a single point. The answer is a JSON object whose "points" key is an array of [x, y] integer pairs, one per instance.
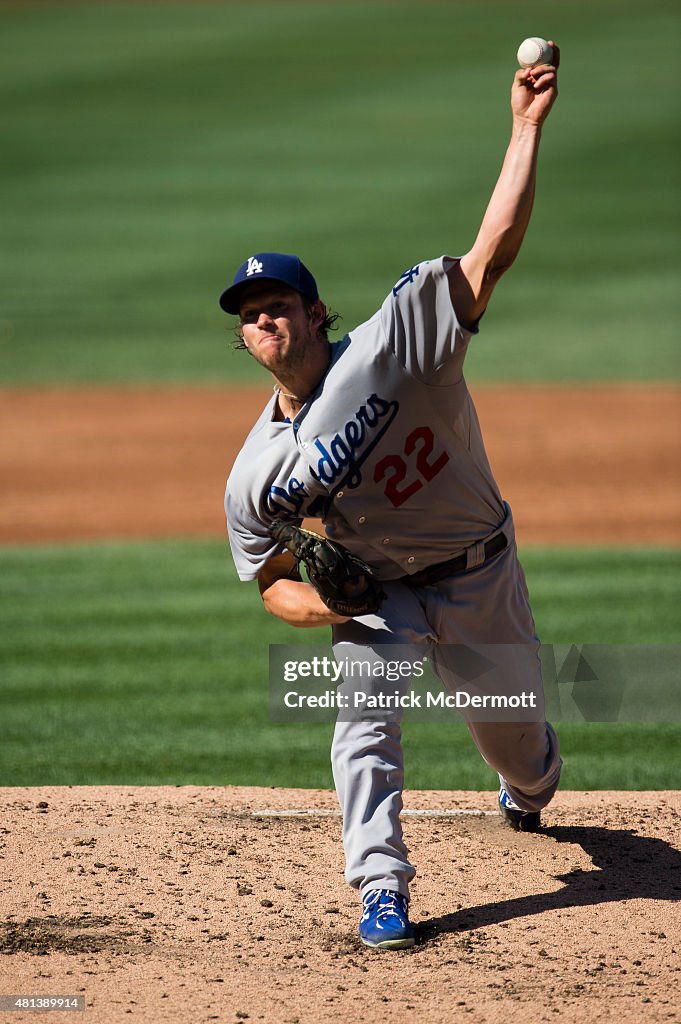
{"points": [[377, 436]]}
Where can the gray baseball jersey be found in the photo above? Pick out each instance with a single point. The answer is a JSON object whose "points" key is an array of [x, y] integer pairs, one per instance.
{"points": [[387, 450]]}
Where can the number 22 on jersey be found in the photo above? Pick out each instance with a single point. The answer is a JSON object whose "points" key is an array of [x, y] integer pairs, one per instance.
{"points": [[404, 478]]}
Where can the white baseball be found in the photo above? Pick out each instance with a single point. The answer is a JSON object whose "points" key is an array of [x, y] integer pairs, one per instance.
{"points": [[534, 51]]}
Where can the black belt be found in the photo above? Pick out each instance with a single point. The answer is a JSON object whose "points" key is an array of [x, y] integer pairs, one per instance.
{"points": [[441, 570]]}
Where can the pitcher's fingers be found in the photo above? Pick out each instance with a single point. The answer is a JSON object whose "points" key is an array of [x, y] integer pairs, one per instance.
{"points": [[523, 76], [544, 81]]}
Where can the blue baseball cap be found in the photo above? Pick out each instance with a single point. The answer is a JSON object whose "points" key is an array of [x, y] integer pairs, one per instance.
{"points": [[269, 266]]}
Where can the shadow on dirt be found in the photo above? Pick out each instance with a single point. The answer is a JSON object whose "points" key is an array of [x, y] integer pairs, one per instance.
{"points": [[627, 867]]}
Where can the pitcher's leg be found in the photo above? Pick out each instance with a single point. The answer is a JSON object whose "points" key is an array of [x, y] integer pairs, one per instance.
{"points": [[525, 754], [501, 657], [519, 744], [366, 758], [366, 753]]}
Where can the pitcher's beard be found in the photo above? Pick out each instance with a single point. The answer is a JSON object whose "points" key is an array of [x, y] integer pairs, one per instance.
{"points": [[284, 363]]}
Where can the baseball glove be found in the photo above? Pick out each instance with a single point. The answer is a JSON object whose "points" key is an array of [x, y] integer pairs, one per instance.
{"points": [[345, 583]]}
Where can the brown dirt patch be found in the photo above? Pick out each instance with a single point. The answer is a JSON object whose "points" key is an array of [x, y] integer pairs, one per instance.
{"points": [[578, 465], [43, 935], [193, 904]]}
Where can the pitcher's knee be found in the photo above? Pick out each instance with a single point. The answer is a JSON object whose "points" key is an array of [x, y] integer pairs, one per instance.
{"points": [[526, 756], [533, 769], [362, 738]]}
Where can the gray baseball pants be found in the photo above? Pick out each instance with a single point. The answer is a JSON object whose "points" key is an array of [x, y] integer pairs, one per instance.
{"points": [[487, 605]]}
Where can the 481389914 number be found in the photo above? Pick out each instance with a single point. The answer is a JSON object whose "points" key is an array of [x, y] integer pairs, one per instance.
{"points": [[41, 1002]]}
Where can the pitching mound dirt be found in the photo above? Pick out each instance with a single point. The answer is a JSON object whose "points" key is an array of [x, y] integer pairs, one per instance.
{"points": [[218, 904]]}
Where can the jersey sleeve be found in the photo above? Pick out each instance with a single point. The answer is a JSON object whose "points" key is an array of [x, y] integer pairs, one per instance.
{"points": [[249, 539], [420, 324]]}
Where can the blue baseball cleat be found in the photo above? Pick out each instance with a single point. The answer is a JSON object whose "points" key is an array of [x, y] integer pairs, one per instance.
{"points": [[516, 817], [385, 921]]}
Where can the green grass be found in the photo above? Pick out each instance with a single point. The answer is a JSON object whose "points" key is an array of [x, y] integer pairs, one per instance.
{"points": [[147, 664], [149, 148]]}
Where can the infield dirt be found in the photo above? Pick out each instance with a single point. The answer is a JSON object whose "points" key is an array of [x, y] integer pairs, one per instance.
{"points": [[202, 904], [596, 465]]}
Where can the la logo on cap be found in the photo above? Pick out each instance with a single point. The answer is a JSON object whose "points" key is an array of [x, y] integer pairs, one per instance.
{"points": [[254, 267]]}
